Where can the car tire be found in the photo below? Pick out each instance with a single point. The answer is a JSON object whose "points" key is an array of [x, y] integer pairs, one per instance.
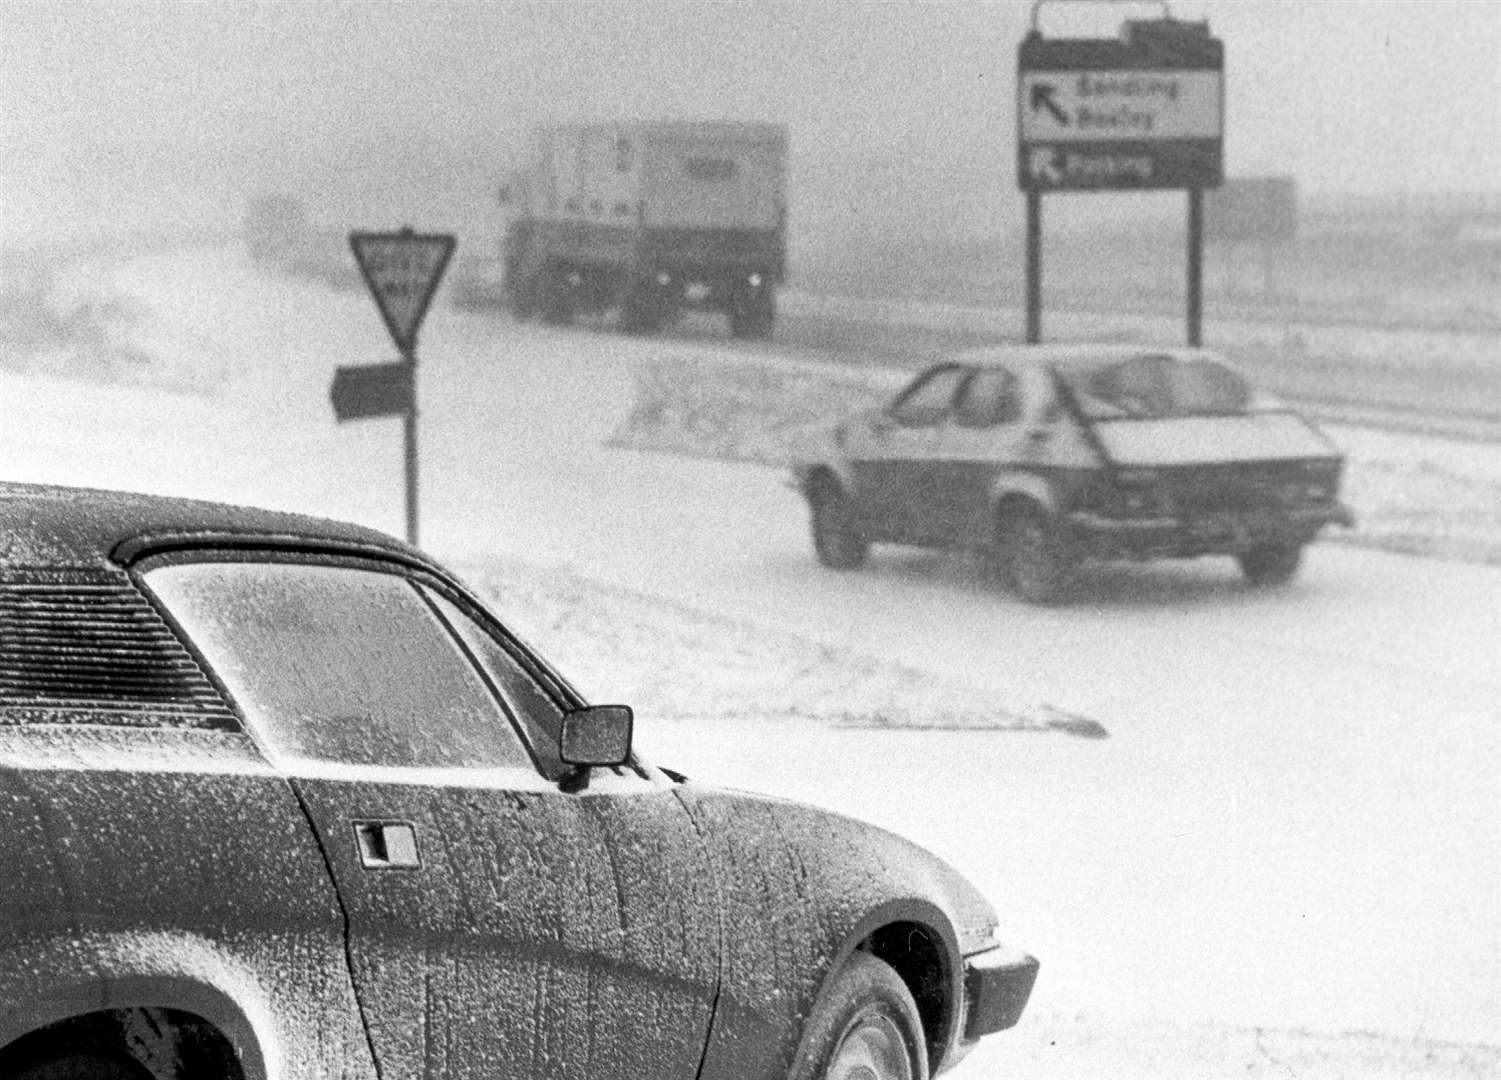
{"points": [[753, 317], [866, 1027], [836, 540], [1032, 554], [557, 301], [1270, 564], [82, 1067], [641, 313]]}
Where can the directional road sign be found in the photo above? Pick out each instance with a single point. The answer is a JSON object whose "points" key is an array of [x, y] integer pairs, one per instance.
{"points": [[402, 270], [1142, 111], [371, 390]]}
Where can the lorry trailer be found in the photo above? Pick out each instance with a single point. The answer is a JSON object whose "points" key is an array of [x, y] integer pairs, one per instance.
{"points": [[646, 220]]}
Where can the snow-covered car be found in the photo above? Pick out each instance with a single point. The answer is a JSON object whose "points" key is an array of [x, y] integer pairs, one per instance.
{"points": [[280, 798], [1044, 456]]}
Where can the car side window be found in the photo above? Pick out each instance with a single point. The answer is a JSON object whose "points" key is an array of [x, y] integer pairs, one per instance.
{"points": [[337, 664], [535, 711], [928, 400], [990, 397]]}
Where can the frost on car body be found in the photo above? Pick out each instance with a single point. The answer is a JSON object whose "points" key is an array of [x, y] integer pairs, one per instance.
{"points": [[280, 798], [1044, 456]]}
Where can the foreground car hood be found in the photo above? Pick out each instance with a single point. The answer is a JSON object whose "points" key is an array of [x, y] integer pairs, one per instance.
{"points": [[1198, 440]]}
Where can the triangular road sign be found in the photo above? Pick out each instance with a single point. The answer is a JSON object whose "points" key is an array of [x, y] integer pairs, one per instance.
{"points": [[402, 270]]}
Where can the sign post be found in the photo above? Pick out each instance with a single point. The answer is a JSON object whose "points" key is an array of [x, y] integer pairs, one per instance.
{"points": [[1141, 112], [402, 271]]}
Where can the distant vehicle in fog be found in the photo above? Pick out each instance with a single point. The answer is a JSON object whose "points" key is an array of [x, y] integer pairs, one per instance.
{"points": [[276, 231], [280, 798], [1044, 456], [648, 219]]}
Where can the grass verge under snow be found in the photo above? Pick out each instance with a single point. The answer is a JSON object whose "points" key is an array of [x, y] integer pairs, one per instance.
{"points": [[673, 662]]}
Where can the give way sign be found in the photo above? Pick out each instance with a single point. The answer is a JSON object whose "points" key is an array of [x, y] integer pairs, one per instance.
{"points": [[402, 270]]}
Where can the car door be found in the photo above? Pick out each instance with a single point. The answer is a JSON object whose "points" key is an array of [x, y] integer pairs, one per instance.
{"points": [[892, 462], [498, 924], [983, 436]]}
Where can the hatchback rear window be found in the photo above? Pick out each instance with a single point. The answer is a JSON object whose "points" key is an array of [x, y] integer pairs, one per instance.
{"points": [[1155, 386]]}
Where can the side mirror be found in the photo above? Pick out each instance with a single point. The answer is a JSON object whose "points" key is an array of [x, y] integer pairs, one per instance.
{"points": [[596, 735]]}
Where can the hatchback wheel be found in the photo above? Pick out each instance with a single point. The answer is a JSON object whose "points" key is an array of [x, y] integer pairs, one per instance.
{"points": [[866, 1028], [1270, 564], [837, 540], [1033, 555]]}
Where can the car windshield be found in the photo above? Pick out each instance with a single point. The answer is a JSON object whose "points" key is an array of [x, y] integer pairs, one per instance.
{"points": [[1155, 386]]}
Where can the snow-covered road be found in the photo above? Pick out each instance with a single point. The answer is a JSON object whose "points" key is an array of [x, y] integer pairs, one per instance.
{"points": [[1294, 822]]}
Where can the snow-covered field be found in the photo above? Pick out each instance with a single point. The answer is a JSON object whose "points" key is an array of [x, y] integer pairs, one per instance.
{"points": [[1284, 859]]}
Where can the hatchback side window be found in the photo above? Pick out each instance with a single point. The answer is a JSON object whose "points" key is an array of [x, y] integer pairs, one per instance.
{"points": [[338, 664], [928, 400], [990, 397]]}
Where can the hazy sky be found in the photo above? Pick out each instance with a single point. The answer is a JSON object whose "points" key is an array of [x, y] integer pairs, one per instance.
{"points": [[1362, 95]]}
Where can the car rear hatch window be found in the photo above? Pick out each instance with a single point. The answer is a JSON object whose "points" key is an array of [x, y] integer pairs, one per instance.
{"points": [[1157, 386]]}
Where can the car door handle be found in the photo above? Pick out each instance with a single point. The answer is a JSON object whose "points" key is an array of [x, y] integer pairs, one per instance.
{"points": [[387, 845]]}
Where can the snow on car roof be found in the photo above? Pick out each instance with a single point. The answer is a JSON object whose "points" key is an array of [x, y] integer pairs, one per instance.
{"points": [[45, 525], [1081, 353]]}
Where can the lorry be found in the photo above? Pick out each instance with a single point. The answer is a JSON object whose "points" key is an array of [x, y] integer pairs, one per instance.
{"points": [[647, 220]]}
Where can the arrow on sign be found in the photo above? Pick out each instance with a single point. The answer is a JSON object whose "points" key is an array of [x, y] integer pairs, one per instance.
{"points": [[1043, 164], [402, 270], [1042, 98], [371, 390]]}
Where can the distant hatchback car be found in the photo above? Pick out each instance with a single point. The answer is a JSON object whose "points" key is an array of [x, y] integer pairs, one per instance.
{"points": [[1043, 456], [280, 798]]}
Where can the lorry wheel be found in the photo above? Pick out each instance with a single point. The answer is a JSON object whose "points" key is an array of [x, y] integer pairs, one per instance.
{"points": [[1270, 564], [1033, 557], [557, 302], [753, 317], [521, 299], [642, 313], [836, 540]]}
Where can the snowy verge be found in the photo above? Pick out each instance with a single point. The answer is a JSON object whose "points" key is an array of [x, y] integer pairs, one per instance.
{"points": [[673, 662], [1067, 1047], [1410, 494], [64, 315]]}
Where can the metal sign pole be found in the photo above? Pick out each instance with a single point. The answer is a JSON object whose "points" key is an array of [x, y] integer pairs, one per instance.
{"points": [[1195, 266], [1034, 266], [409, 424]]}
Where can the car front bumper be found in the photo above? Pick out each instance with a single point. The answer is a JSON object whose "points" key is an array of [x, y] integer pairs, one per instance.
{"points": [[1225, 532], [997, 984]]}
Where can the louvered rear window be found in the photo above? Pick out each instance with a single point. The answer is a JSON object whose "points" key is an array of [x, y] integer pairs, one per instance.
{"points": [[83, 647]]}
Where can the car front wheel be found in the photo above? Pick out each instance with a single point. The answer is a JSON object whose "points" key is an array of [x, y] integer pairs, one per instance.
{"points": [[1033, 556], [82, 1067], [866, 1028], [836, 539], [1270, 564]]}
